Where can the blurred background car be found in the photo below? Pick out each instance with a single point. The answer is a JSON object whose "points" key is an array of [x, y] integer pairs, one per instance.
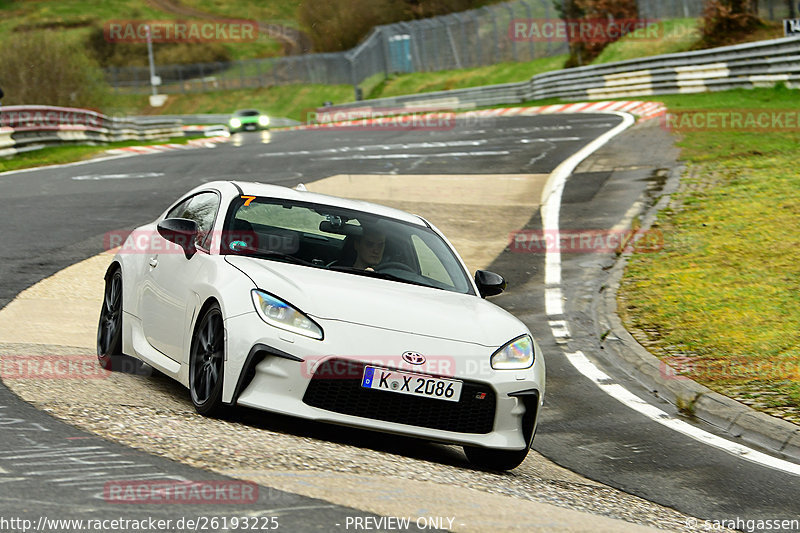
{"points": [[248, 120], [216, 131]]}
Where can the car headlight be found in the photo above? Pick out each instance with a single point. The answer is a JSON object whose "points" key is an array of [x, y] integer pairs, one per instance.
{"points": [[263, 121], [516, 355], [235, 123], [278, 313]]}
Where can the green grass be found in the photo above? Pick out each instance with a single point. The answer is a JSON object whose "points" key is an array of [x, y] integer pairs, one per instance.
{"points": [[73, 13], [57, 155], [77, 16], [291, 101], [423, 82], [676, 35], [725, 288], [275, 11], [295, 101]]}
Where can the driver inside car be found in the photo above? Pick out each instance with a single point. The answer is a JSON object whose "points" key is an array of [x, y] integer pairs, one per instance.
{"points": [[369, 248]]}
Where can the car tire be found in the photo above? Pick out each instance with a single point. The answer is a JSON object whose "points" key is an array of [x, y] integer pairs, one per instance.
{"points": [[109, 329], [491, 459], [207, 363]]}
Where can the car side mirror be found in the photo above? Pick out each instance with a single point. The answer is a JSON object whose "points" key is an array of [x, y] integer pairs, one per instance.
{"points": [[489, 283], [181, 231]]}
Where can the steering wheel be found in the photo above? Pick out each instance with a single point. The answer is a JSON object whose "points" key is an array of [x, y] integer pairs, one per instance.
{"points": [[393, 264]]}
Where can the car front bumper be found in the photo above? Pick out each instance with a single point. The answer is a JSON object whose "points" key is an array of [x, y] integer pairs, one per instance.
{"points": [[281, 376]]}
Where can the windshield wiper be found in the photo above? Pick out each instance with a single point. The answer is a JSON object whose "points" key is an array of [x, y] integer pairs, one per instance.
{"points": [[380, 275]]}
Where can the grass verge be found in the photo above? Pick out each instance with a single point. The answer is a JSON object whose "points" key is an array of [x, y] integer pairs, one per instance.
{"points": [[424, 82], [295, 101], [290, 101], [57, 155], [677, 35], [720, 301]]}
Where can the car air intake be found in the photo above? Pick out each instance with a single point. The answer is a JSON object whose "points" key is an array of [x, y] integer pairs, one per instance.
{"points": [[340, 391]]}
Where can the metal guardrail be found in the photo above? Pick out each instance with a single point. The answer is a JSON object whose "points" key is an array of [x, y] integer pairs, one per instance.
{"points": [[749, 65], [26, 128]]}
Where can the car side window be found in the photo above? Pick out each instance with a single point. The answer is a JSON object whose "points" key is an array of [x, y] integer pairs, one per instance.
{"points": [[202, 208], [429, 264], [177, 211]]}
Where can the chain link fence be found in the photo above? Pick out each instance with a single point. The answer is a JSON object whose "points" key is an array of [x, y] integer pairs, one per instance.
{"points": [[461, 40], [774, 10]]}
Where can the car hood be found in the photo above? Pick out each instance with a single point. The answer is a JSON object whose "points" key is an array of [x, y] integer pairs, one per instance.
{"points": [[391, 305]]}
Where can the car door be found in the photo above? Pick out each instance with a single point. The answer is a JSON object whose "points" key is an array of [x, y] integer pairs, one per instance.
{"points": [[168, 299]]}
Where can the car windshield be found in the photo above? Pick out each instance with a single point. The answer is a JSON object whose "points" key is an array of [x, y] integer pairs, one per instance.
{"points": [[247, 113], [331, 238]]}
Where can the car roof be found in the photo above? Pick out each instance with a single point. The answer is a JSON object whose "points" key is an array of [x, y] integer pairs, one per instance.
{"points": [[277, 191]]}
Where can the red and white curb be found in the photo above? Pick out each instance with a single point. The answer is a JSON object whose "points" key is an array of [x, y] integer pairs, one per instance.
{"points": [[195, 143], [644, 110], [361, 117]]}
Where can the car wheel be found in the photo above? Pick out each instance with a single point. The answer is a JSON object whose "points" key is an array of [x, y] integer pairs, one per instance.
{"points": [[109, 330], [207, 362], [490, 459]]}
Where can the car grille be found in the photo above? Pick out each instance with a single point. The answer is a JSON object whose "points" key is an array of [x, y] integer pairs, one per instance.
{"points": [[345, 395]]}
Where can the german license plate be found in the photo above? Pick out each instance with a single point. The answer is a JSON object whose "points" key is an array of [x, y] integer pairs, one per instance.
{"points": [[412, 384]]}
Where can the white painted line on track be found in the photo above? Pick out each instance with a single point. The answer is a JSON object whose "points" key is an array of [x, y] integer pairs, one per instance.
{"points": [[415, 156], [619, 393], [136, 175], [378, 147], [554, 307], [550, 140]]}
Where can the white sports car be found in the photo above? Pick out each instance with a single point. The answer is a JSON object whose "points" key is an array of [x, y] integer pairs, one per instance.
{"points": [[328, 309]]}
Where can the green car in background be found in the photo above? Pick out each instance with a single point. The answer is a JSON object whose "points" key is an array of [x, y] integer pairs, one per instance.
{"points": [[248, 120]]}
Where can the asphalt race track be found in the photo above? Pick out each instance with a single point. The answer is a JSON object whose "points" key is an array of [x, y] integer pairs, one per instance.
{"points": [[53, 218]]}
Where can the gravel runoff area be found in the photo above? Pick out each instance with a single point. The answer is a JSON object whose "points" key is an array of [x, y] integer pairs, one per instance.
{"points": [[384, 474]]}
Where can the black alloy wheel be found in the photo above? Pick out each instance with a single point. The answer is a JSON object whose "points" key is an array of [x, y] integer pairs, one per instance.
{"points": [[109, 330], [206, 363]]}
